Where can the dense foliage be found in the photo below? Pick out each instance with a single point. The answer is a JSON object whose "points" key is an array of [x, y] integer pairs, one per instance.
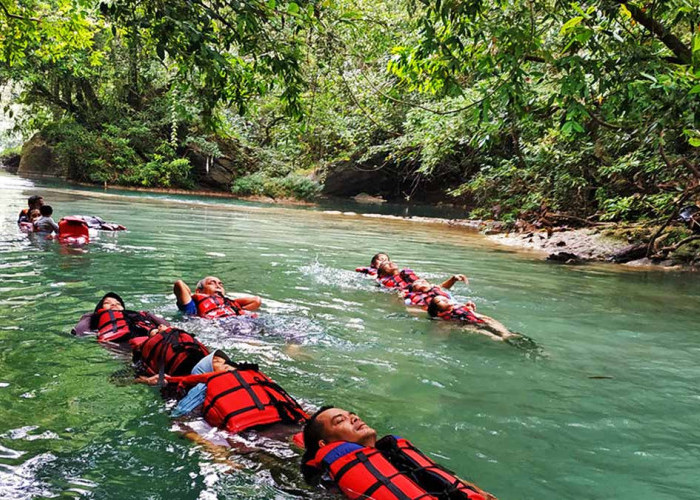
{"points": [[511, 105]]}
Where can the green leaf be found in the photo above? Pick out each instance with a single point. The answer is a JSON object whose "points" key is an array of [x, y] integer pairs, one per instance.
{"points": [[292, 8], [694, 141], [694, 90], [571, 24]]}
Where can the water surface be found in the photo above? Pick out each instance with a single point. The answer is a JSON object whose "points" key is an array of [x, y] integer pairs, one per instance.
{"points": [[520, 424]]}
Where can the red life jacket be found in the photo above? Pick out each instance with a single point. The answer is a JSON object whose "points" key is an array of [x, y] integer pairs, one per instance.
{"points": [[74, 230], [384, 473], [435, 479], [172, 352], [422, 299], [460, 314], [243, 398], [401, 280], [216, 306], [113, 326]]}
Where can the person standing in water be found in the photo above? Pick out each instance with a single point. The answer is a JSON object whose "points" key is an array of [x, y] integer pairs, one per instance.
{"points": [[208, 301], [34, 203], [45, 223]]}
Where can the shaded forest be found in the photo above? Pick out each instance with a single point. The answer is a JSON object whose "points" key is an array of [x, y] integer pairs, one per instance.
{"points": [[507, 108]]}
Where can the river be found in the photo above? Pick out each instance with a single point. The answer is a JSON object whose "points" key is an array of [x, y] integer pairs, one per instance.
{"points": [[607, 407]]}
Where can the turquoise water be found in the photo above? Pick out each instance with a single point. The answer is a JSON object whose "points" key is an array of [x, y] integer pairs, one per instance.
{"points": [[521, 424]]}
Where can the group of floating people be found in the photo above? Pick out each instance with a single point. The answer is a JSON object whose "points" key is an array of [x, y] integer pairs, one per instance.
{"points": [[73, 230], [340, 451], [435, 299]]}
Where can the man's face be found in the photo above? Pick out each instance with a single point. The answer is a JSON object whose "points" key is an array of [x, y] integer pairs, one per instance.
{"points": [[442, 303], [112, 304], [382, 257], [389, 268], [342, 425], [212, 286], [219, 364], [421, 285]]}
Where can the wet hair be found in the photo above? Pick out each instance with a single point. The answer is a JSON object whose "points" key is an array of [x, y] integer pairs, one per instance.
{"points": [[33, 200], [313, 433], [46, 210], [376, 257], [432, 308], [200, 284]]}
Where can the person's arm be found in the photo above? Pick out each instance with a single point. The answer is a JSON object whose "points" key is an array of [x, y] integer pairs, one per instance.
{"points": [[194, 399], [83, 325], [249, 302], [454, 279], [182, 292], [53, 224], [157, 319]]}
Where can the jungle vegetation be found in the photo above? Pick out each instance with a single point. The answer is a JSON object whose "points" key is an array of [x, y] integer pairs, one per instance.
{"points": [[591, 109]]}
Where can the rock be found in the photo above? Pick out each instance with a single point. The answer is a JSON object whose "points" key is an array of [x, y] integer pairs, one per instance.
{"points": [[561, 243], [220, 172], [37, 158], [366, 198], [629, 253], [10, 163], [564, 257], [352, 177]]}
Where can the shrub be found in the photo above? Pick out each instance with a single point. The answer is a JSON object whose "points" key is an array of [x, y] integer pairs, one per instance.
{"points": [[292, 186]]}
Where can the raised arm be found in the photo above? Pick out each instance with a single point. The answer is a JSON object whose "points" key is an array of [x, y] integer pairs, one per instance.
{"points": [[182, 292], [454, 279]]}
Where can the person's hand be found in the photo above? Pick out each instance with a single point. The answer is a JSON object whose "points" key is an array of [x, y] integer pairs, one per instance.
{"points": [[461, 277], [160, 329], [152, 380]]}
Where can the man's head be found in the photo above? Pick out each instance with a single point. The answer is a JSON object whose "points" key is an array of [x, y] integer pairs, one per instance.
{"points": [[387, 268], [420, 286], [210, 286], [221, 362], [439, 305], [378, 259], [46, 210], [331, 424], [35, 201]]}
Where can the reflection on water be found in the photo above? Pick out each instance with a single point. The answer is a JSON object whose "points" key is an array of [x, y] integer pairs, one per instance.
{"points": [[604, 406]]}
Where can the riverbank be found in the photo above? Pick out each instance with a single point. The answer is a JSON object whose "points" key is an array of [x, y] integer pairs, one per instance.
{"points": [[561, 244]]}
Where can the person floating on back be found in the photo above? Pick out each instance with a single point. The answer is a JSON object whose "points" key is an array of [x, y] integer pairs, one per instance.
{"points": [[343, 451], [235, 396], [444, 308], [421, 292], [45, 223], [389, 276], [114, 323], [208, 301], [373, 265]]}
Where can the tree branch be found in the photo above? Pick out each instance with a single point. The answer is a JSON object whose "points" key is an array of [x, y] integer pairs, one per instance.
{"points": [[666, 37], [3, 7]]}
